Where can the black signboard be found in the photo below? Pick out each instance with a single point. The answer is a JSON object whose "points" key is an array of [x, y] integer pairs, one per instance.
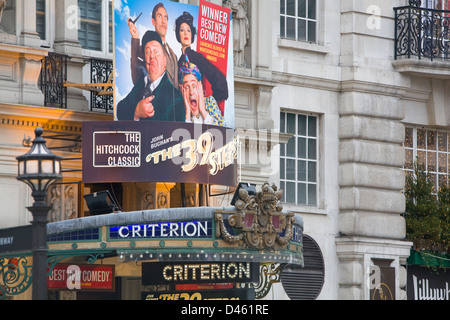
{"points": [[382, 284], [228, 294], [15, 240], [139, 151], [424, 283], [156, 273]]}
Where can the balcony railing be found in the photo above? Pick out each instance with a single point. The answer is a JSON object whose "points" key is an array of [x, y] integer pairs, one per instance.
{"points": [[53, 76], [101, 72], [421, 32]]}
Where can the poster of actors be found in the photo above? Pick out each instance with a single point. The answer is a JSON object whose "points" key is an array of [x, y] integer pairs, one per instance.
{"points": [[173, 62]]}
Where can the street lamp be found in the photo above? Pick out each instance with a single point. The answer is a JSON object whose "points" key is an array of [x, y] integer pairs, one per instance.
{"points": [[39, 168]]}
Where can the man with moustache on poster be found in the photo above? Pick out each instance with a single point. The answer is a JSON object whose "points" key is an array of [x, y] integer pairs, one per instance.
{"points": [[159, 21], [153, 97]]}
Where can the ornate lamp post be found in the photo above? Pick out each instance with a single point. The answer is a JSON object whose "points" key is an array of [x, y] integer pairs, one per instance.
{"points": [[39, 168]]}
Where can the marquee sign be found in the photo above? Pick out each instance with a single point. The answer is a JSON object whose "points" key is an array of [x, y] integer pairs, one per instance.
{"points": [[229, 294], [128, 151], [169, 230], [155, 273]]}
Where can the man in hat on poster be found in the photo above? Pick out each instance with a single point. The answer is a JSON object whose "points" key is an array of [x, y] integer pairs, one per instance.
{"points": [[159, 21], [153, 97]]}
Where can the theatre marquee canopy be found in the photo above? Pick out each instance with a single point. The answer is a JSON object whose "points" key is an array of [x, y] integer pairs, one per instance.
{"points": [[181, 234]]}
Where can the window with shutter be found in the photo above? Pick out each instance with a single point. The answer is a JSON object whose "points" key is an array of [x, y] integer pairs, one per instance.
{"points": [[90, 31], [40, 19]]}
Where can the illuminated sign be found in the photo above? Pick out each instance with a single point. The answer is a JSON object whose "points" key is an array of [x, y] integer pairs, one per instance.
{"points": [[134, 151], [82, 277], [229, 294], [202, 272], [170, 230]]}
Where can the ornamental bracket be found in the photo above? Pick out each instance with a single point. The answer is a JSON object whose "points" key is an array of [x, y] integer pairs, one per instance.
{"points": [[257, 221]]}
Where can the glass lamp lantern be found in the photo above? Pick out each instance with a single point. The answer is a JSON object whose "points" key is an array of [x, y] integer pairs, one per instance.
{"points": [[39, 167]]}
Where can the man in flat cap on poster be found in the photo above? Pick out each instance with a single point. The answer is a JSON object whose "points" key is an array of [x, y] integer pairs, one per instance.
{"points": [[153, 97], [160, 20]]}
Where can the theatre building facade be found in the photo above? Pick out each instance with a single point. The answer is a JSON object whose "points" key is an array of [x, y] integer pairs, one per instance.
{"points": [[332, 104]]}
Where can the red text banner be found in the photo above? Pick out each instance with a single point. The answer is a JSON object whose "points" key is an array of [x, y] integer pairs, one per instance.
{"points": [[82, 277]]}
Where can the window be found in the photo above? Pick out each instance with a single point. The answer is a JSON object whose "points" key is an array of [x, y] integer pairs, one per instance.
{"points": [[435, 28], [437, 4], [430, 148], [40, 19], [298, 20], [90, 32], [299, 159], [95, 28]]}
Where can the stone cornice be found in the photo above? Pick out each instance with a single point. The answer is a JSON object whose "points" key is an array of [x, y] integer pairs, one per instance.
{"points": [[47, 118], [8, 49], [423, 68]]}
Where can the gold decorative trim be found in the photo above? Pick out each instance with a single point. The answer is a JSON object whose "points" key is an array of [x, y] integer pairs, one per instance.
{"points": [[258, 220]]}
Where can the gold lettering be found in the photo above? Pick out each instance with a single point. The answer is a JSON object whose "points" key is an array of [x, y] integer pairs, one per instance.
{"points": [[166, 277], [204, 272], [178, 272]]}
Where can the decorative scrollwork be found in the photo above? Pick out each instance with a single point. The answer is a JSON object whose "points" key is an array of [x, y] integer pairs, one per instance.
{"points": [[415, 3], [258, 220], [269, 274], [15, 276], [53, 76], [101, 72], [422, 32]]}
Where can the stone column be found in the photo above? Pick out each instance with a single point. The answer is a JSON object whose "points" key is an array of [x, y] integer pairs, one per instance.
{"points": [[262, 35], [66, 42], [27, 24], [371, 154]]}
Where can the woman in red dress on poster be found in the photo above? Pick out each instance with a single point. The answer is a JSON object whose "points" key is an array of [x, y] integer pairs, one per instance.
{"points": [[185, 33]]}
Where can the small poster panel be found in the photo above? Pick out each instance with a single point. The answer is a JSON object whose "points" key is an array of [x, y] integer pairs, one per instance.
{"points": [[82, 277]]}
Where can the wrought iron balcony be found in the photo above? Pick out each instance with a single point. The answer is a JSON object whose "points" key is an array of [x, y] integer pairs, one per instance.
{"points": [[53, 83], [422, 32], [53, 76], [101, 72]]}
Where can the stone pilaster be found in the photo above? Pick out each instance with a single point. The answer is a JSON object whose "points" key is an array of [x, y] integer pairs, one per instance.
{"points": [[27, 24], [19, 74], [261, 33], [371, 156], [66, 42]]}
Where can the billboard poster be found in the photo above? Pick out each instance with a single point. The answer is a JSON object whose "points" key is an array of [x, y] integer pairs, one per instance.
{"points": [[173, 62]]}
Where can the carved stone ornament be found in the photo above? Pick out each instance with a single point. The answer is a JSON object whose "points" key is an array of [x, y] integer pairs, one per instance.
{"points": [[257, 221]]}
